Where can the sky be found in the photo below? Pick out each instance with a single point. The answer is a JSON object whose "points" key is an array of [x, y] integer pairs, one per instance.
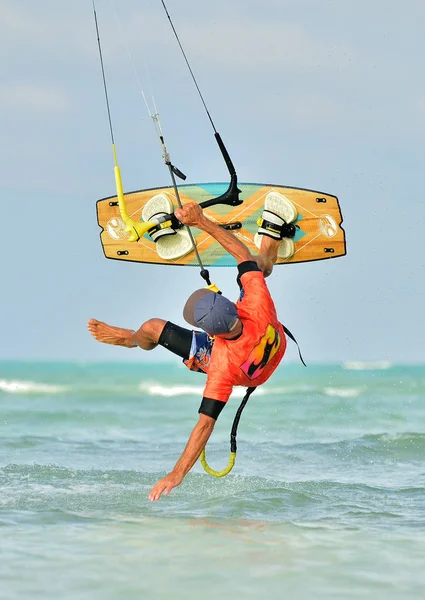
{"points": [[326, 95]]}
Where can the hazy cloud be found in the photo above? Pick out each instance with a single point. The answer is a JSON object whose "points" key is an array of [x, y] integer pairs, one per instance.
{"points": [[47, 99]]}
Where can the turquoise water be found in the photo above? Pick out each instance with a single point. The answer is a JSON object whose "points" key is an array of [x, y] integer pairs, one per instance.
{"points": [[327, 498]]}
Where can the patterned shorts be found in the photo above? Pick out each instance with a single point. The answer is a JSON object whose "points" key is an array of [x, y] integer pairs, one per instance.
{"points": [[200, 352]]}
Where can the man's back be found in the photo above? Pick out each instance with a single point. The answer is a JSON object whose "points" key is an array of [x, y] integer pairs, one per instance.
{"points": [[250, 359]]}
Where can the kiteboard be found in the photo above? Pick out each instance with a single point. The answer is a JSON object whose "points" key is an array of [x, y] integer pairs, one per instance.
{"points": [[317, 232]]}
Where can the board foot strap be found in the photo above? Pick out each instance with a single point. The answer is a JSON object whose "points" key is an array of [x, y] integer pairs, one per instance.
{"points": [[170, 243]]}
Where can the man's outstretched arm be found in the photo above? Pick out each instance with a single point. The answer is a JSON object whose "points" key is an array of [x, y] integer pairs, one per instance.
{"points": [[196, 443], [191, 214]]}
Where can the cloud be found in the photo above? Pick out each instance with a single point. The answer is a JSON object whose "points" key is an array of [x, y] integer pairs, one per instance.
{"points": [[256, 48], [35, 28], [46, 99], [238, 45]]}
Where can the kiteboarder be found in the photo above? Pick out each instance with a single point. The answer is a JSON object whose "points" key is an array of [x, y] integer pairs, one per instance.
{"points": [[240, 344]]}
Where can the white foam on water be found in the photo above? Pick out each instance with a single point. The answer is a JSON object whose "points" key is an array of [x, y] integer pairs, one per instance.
{"points": [[157, 389], [28, 387], [171, 390], [358, 365], [183, 390], [343, 392]]}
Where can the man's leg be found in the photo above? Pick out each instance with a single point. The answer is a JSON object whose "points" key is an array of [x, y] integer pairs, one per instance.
{"points": [[177, 340], [268, 254], [146, 337], [278, 212]]}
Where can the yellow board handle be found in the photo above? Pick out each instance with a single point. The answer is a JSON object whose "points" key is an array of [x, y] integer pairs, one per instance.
{"points": [[136, 229], [222, 473]]}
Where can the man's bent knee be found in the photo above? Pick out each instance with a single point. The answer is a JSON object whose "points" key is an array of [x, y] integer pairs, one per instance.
{"points": [[153, 329]]}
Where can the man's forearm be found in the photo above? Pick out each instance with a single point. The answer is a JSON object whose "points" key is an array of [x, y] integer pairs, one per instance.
{"points": [[229, 241], [196, 443]]}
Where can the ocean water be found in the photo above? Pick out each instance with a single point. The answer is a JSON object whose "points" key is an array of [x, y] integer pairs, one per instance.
{"points": [[326, 500]]}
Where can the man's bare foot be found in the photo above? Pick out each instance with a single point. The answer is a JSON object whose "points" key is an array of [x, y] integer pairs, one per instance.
{"points": [[108, 334]]}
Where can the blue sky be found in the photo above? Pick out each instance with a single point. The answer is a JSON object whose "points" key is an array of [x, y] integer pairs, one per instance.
{"points": [[326, 95]]}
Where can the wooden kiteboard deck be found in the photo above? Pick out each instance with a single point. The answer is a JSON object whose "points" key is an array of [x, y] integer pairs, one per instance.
{"points": [[319, 234]]}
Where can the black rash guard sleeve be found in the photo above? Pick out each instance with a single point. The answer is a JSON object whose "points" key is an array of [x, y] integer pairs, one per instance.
{"points": [[211, 408], [246, 267]]}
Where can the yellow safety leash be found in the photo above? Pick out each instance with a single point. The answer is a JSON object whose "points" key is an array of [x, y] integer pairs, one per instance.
{"points": [[222, 473], [233, 447]]}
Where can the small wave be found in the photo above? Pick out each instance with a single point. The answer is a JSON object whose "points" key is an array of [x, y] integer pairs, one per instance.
{"points": [[185, 390], [156, 389], [30, 387], [405, 437], [366, 366], [150, 388], [171, 390], [402, 446], [343, 392]]}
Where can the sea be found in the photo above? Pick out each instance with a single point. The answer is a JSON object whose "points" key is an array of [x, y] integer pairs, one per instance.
{"points": [[326, 499]]}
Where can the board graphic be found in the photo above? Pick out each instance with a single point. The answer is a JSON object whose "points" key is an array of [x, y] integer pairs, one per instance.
{"points": [[318, 236]]}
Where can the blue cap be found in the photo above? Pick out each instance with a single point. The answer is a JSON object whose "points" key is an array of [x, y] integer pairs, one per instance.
{"points": [[211, 312]]}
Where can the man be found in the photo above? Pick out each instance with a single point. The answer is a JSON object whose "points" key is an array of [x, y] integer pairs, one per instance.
{"points": [[240, 344]]}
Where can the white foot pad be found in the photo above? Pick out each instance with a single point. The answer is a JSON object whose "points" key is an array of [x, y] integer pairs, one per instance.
{"points": [[175, 246], [169, 244], [160, 203], [280, 205]]}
